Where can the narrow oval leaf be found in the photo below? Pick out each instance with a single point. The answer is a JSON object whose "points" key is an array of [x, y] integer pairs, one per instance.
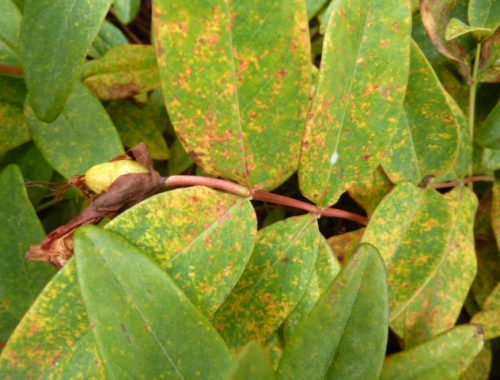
{"points": [[136, 126], [20, 281], [252, 364], [109, 36], [236, 78], [411, 230], [126, 10], [444, 357], [10, 24], [457, 28], [56, 35], [325, 270], [484, 13], [480, 367], [82, 136], [436, 308], [358, 99], [426, 140], [274, 281], [489, 68], [123, 72], [201, 237], [54, 339], [488, 135], [151, 320], [345, 334], [435, 19]]}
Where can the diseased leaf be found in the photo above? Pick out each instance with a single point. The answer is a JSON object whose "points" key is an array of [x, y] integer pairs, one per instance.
{"points": [[357, 103], [326, 269], [484, 13], [201, 237], [252, 364], [123, 72], [56, 35], [411, 230], [126, 10], [435, 19], [109, 36], [345, 334], [10, 24], [344, 245], [20, 282], [493, 300], [135, 126], [274, 281], [236, 78], [437, 306], [13, 128], [489, 68], [489, 317], [488, 270], [426, 140], [444, 357], [54, 339], [82, 136], [151, 319], [488, 135], [371, 189]]}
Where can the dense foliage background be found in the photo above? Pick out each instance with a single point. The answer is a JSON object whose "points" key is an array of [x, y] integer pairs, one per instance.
{"points": [[386, 109]]}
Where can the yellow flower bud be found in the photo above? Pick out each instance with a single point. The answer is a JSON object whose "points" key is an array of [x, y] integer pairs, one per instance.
{"points": [[100, 177]]}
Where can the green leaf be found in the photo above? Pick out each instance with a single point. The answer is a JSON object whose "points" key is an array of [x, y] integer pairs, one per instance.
{"points": [[135, 126], [495, 212], [426, 141], [344, 245], [457, 28], [326, 269], [179, 160], [345, 334], [435, 19], [437, 306], [493, 300], [109, 36], [151, 320], [81, 137], [489, 69], [8, 57], [56, 35], [126, 10], [54, 339], [411, 230], [488, 135], [123, 72], [236, 78], [20, 281], [314, 6], [10, 24], [13, 128], [201, 237], [484, 13], [480, 367], [252, 364], [274, 281], [34, 168], [359, 97], [371, 189], [444, 357]]}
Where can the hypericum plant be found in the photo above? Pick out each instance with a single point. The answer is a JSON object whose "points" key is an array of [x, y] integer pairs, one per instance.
{"points": [[210, 248]]}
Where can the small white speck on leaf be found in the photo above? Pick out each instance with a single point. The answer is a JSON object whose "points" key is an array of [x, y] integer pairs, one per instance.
{"points": [[334, 158]]}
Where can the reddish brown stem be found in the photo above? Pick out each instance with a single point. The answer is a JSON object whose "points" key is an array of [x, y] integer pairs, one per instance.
{"points": [[11, 70], [260, 195], [462, 181]]}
